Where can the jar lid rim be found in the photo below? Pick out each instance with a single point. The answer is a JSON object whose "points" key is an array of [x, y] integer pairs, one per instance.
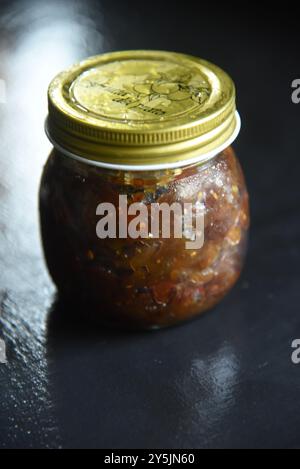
{"points": [[199, 159]]}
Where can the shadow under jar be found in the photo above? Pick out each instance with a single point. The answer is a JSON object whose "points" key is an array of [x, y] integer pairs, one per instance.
{"points": [[156, 128]]}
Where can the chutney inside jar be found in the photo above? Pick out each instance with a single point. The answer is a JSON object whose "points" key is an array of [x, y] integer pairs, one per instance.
{"points": [[145, 282]]}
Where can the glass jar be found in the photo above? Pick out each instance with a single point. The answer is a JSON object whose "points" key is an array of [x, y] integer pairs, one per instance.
{"points": [[147, 130]]}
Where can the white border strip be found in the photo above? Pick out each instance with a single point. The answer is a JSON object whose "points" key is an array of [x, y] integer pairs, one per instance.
{"points": [[179, 164]]}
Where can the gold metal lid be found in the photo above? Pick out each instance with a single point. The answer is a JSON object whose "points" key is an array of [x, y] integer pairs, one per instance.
{"points": [[142, 109]]}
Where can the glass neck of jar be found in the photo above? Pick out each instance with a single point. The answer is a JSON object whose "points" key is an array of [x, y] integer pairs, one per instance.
{"points": [[132, 177]]}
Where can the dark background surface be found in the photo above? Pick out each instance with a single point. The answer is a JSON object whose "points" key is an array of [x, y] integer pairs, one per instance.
{"points": [[225, 380]]}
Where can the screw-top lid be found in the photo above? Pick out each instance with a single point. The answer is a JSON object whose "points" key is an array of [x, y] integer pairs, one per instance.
{"points": [[142, 109]]}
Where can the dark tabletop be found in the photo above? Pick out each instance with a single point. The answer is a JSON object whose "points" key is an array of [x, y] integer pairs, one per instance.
{"points": [[224, 380]]}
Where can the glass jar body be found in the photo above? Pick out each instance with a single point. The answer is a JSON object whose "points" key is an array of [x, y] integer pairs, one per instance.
{"points": [[145, 282]]}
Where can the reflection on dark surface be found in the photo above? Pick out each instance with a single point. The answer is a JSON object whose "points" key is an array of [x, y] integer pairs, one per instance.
{"points": [[221, 381], [38, 39], [132, 383]]}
